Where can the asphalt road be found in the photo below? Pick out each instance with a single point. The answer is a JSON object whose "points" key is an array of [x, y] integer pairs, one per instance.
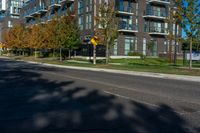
{"points": [[38, 99]]}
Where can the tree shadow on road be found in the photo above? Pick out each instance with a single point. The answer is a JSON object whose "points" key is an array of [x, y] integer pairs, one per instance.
{"points": [[29, 103]]}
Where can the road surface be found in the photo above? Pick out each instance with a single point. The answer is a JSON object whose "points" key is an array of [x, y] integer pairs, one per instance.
{"points": [[40, 99]]}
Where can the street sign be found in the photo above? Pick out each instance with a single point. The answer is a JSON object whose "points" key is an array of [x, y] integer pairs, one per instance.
{"points": [[195, 56], [94, 40], [1, 45]]}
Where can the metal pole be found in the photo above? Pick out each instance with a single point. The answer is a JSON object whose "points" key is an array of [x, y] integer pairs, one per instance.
{"points": [[94, 54], [190, 66], [175, 47]]}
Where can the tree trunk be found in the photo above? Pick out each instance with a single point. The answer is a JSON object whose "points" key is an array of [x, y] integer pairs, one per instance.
{"points": [[69, 54], [54, 53], [60, 54], [107, 53], [35, 54], [175, 45], [170, 51], [190, 66], [184, 57], [23, 52]]}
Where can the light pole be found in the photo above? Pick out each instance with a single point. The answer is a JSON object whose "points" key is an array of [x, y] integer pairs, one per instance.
{"points": [[175, 43]]}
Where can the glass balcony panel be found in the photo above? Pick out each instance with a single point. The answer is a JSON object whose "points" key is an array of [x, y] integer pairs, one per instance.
{"points": [[156, 13], [128, 27]]}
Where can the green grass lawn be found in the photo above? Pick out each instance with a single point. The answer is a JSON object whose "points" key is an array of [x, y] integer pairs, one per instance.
{"points": [[156, 65]]}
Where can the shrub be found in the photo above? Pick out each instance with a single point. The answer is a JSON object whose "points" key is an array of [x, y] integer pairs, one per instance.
{"points": [[134, 54]]}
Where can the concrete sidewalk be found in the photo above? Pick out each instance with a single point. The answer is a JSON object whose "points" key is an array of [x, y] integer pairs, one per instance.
{"points": [[146, 74]]}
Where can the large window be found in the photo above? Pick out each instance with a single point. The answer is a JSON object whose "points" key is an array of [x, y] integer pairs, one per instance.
{"points": [[130, 45], [88, 21], [80, 22], [80, 6]]}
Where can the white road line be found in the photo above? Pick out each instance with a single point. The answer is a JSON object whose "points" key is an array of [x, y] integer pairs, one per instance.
{"points": [[128, 98]]}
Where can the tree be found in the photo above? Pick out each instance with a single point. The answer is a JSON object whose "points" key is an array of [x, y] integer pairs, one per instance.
{"points": [[172, 20], [71, 34], [15, 37], [108, 22], [189, 16], [51, 35], [36, 38]]}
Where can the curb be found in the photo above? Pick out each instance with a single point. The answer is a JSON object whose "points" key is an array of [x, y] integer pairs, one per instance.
{"points": [[135, 73]]}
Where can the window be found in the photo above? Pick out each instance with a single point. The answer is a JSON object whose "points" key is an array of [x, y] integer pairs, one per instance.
{"points": [[10, 24], [88, 21], [80, 21], [115, 48], [130, 45], [80, 6]]}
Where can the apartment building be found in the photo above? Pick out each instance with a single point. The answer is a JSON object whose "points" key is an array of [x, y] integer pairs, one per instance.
{"points": [[9, 14], [141, 22]]}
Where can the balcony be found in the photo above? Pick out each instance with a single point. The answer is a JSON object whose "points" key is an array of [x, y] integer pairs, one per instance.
{"points": [[2, 10], [54, 4], [124, 10], [154, 14], [27, 15], [159, 1], [34, 12], [42, 10], [125, 27], [50, 17], [156, 30], [43, 20], [15, 13], [2, 16], [68, 1]]}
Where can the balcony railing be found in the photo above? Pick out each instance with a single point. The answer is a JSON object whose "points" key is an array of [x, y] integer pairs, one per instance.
{"points": [[124, 10], [55, 3], [27, 14], [2, 17], [125, 27], [35, 11], [156, 30], [43, 20], [15, 13], [160, 1], [68, 1], [42, 9], [155, 14]]}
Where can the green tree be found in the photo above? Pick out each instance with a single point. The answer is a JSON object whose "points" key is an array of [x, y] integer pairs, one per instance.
{"points": [[108, 23], [189, 16], [172, 19], [71, 34]]}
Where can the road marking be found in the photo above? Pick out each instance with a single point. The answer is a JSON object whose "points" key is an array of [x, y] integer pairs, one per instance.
{"points": [[128, 98]]}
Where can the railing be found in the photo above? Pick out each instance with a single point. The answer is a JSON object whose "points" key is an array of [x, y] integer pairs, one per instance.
{"points": [[154, 29], [35, 10], [124, 9], [50, 17], [126, 26], [52, 2], [155, 13], [2, 16], [160, 0]]}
